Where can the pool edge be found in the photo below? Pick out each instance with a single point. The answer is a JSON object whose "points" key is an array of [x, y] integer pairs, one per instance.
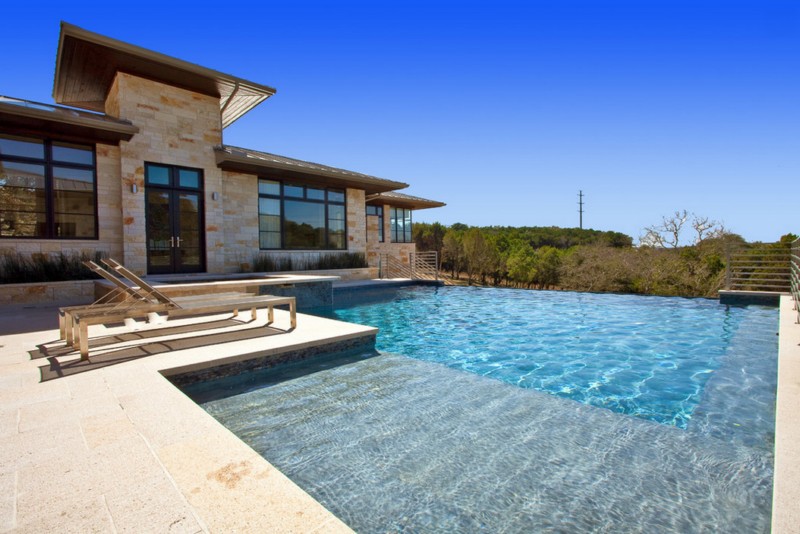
{"points": [[786, 478]]}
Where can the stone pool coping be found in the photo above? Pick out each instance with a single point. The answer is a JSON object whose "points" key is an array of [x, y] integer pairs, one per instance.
{"points": [[786, 482], [121, 449]]}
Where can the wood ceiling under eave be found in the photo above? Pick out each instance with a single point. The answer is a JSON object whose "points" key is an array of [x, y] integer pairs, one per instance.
{"points": [[87, 64]]}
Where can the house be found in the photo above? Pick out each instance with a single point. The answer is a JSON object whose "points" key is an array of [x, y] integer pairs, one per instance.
{"points": [[132, 163]]}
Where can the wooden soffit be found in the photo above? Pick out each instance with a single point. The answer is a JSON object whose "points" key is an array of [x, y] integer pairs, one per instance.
{"points": [[87, 64], [401, 200]]}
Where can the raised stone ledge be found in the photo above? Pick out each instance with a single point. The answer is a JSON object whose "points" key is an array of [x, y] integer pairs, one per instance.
{"points": [[69, 292]]}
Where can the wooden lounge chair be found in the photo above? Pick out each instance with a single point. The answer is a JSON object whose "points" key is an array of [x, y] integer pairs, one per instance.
{"points": [[154, 301], [120, 297]]}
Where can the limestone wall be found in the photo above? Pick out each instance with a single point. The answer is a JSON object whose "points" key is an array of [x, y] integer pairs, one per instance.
{"points": [[356, 221], [50, 293], [176, 127], [240, 219]]}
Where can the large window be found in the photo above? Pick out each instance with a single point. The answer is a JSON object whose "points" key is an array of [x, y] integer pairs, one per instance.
{"points": [[400, 222], [47, 189], [377, 211], [294, 217]]}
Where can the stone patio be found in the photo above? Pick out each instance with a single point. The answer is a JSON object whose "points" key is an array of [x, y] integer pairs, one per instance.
{"points": [[120, 449]]}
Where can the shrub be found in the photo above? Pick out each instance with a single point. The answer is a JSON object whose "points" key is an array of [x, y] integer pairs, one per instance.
{"points": [[347, 260], [16, 268]]}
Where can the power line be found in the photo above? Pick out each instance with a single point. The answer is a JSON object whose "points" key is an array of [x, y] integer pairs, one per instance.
{"points": [[580, 208]]}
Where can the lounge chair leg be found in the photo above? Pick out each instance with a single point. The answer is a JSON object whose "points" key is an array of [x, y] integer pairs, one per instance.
{"points": [[69, 324], [293, 313], [84, 341], [270, 314], [61, 332], [253, 313], [236, 313]]}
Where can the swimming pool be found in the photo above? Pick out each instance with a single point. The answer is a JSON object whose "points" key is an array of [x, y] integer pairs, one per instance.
{"points": [[403, 443], [645, 356]]}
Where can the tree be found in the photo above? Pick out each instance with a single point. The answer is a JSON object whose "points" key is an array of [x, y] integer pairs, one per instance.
{"points": [[477, 254], [547, 265], [521, 263], [429, 236], [453, 250], [670, 233]]}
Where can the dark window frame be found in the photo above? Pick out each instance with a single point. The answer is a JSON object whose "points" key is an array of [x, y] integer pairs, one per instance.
{"points": [[282, 198], [49, 163], [174, 186], [379, 214], [407, 234]]}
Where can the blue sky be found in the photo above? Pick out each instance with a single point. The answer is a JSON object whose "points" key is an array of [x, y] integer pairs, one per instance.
{"points": [[504, 110]]}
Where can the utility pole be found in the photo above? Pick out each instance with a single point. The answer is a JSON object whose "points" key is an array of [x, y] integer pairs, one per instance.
{"points": [[580, 208]]}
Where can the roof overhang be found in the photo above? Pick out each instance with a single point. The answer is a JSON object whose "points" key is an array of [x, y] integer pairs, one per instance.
{"points": [[283, 168], [87, 64], [23, 117], [400, 200]]}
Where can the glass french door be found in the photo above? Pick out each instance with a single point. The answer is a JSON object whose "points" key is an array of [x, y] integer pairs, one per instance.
{"points": [[175, 233]]}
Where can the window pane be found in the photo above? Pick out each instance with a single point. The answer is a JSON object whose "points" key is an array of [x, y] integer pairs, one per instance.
{"points": [[336, 240], [73, 179], [70, 153], [336, 226], [335, 195], [269, 240], [315, 194], [336, 211], [269, 206], [304, 224], [74, 202], [72, 225], [21, 146], [372, 210], [22, 223], [188, 178], [293, 191], [269, 223], [21, 175], [269, 187], [157, 175]]}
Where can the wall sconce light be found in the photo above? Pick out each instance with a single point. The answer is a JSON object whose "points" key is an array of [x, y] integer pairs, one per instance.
{"points": [[134, 188], [214, 196]]}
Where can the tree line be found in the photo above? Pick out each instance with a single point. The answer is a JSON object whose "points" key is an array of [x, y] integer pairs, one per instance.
{"points": [[585, 260]]}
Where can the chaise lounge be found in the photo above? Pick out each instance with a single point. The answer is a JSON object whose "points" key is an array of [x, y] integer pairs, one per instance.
{"points": [[151, 300]]}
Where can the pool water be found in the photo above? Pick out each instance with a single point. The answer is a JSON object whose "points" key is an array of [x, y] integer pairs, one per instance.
{"points": [[406, 441], [645, 356]]}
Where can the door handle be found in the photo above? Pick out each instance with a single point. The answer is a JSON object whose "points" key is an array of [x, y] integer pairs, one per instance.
{"points": [[171, 242], [178, 239]]}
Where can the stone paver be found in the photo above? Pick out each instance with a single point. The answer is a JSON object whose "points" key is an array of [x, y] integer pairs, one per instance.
{"points": [[120, 449]]}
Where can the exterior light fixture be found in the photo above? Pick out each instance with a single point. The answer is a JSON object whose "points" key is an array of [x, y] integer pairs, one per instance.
{"points": [[134, 189], [215, 196]]}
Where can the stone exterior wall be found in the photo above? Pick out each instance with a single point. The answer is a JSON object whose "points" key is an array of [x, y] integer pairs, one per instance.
{"points": [[240, 219], [356, 221], [176, 127], [49, 293], [109, 218], [399, 251]]}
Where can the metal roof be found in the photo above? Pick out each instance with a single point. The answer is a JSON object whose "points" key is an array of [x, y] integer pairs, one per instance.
{"points": [[282, 167], [33, 117], [87, 63]]}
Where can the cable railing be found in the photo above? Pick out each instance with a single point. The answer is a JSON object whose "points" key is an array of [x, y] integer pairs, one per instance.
{"points": [[420, 266], [765, 268]]}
